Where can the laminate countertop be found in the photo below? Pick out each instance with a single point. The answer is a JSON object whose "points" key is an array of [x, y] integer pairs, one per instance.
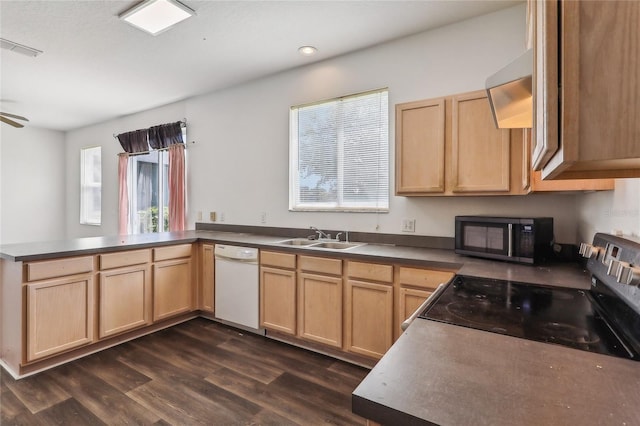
{"points": [[558, 274], [442, 374]]}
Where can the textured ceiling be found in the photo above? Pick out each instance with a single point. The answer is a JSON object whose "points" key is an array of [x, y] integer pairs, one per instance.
{"points": [[96, 67]]}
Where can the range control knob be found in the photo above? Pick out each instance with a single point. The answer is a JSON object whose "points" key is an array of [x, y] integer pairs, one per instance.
{"points": [[628, 274], [589, 250], [614, 266]]}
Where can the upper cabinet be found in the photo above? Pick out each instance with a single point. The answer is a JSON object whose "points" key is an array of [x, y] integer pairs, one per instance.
{"points": [[450, 146], [586, 86]]}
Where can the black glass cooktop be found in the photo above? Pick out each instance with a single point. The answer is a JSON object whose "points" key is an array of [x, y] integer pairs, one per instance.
{"points": [[563, 316]]}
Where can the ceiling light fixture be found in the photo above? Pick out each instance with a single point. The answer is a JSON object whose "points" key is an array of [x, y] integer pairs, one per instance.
{"points": [[156, 16], [19, 48], [307, 50]]}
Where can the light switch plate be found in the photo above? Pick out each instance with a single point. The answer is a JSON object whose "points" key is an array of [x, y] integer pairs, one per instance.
{"points": [[408, 225]]}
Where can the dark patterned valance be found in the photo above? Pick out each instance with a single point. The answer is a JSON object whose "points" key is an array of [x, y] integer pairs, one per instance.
{"points": [[156, 137]]}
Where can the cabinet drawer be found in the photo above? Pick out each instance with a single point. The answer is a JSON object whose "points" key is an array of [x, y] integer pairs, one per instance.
{"points": [[320, 264], [59, 268], [370, 271], [423, 277], [125, 258], [279, 260], [171, 252]]}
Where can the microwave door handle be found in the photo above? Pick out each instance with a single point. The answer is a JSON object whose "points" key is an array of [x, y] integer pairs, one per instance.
{"points": [[510, 249]]}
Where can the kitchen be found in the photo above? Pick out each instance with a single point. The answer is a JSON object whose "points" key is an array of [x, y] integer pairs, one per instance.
{"points": [[227, 149]]}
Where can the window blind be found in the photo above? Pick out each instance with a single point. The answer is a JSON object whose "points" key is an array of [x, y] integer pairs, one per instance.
{"points": [[340, 154]]}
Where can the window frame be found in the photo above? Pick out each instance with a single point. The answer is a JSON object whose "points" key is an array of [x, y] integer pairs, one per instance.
{"points": [[85, 217], [340, 205]]}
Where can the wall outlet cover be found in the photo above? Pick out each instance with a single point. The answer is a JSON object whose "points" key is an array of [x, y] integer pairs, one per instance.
{"points": [[408, 225], [212, 216]]}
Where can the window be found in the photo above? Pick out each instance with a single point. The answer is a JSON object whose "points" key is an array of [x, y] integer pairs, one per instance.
{"points": [[91, 186], [339, 154], [148, 181]]}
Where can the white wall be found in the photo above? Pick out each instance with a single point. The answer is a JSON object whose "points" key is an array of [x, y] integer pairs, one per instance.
{"points": [[239, 162], [32, 185], [610, 211]]}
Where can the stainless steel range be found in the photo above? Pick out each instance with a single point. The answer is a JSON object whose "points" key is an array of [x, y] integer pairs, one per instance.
{"points": [[604, 319]]}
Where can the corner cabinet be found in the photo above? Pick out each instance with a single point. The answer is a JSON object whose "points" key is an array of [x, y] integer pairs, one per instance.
{"points": [[172, 287], [586, 79], [450, 146]]}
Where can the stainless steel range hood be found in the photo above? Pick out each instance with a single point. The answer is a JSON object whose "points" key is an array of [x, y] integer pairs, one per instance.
{"points": [[509, 93]]}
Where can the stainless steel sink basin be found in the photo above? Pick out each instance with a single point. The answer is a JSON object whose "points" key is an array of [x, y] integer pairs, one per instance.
{"points": [[298, 242], [336, 245]]}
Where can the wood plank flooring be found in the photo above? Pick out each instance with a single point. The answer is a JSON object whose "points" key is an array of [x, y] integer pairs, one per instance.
{"points": [[196, 373]]}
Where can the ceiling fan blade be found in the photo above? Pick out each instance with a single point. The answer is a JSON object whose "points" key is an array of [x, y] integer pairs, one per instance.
{"points": [[10, 122], [13, 116]]}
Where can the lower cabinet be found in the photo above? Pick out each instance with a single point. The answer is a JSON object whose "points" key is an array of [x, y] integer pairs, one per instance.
{"points": [[369, 309], [414, 286], [278, 292], [172, 290], [125, 299], [207, 278], [320, 300], [59, 316]]}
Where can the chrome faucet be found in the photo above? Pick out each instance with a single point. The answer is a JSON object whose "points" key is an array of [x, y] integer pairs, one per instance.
{"points": [[321, 234]]}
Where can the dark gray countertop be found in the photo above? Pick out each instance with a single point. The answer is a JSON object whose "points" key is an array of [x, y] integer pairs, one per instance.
{"points": [[561, 274], [449, 375]]}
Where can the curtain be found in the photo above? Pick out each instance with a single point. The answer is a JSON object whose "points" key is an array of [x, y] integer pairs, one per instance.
{"points": [[135, 141], [123, 216], [176, 187], [164, 135]]}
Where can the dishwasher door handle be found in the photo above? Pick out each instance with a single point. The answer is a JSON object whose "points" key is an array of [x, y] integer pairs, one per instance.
{"points": [[406, 323]]}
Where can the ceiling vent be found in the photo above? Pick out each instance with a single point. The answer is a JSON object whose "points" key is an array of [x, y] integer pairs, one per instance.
{"points": [[19, 48]]}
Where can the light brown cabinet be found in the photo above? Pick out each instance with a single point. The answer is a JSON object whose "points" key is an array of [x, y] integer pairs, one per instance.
{"points": [[369, 308], [413, 287], [206, 296], [586, 78], [320, 300], [60, 315], [278, 292], [172, 283], [124, 292], [450, 146]]}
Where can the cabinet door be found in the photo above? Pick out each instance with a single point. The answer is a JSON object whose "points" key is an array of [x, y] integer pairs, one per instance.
{"points": [[369, 321], [409, 299], [125, 299], [320, 308], [420, 146], [207, 278], [278, 299], [59, 315], [480, 153], [172, 291]]}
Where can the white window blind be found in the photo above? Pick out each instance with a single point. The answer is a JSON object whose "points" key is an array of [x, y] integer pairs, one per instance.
{"points": [[339, 153], [91, 186]]}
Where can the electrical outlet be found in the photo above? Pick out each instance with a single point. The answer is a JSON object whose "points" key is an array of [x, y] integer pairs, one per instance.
{"points": [[263, 217], [408, 225], [221, 217], [199, 216], [212, 216]]}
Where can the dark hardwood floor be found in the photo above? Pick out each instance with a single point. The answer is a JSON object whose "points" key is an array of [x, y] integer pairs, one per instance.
{"points": [[198, 372]]}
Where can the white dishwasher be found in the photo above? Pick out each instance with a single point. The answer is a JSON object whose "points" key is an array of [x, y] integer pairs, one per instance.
{"points": [[237, 288]]}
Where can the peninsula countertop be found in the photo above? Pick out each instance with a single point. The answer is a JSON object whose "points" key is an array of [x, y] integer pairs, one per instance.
{"points": [[557, 274]]}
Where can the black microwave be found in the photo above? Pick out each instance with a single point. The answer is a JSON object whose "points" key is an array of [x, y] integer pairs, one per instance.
{"points": [[514, 239]]}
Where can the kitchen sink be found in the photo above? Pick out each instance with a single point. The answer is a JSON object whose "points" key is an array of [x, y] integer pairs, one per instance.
{"points": [[332, 245], [336, 245], [298, 242]]}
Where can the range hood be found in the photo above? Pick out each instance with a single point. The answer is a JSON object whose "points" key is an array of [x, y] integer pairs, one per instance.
{"points": [[509, 93]]}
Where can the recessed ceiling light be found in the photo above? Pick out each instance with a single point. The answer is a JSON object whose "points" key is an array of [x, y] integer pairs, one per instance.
{"points": [[156, 16], [307, 50]]}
